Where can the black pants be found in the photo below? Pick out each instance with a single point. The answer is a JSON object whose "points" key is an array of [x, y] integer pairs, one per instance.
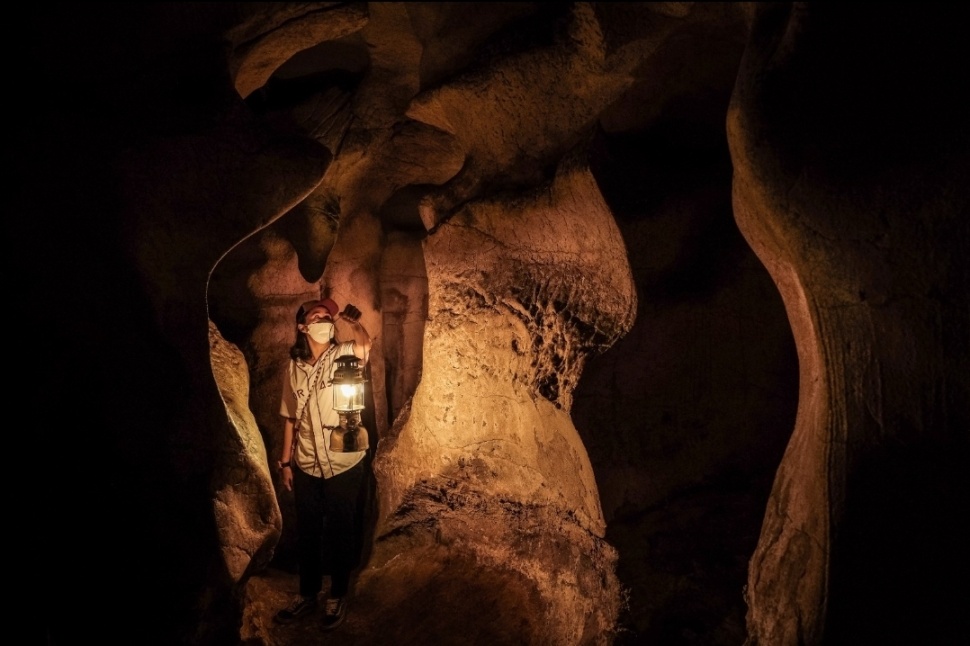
{"points": [[326, 517]]}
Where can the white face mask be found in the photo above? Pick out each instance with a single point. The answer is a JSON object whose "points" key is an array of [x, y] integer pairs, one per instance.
{"points": [[321, 331]]}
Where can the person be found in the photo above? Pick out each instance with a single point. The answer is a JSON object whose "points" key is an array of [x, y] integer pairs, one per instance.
{"points": [[325, 484]]}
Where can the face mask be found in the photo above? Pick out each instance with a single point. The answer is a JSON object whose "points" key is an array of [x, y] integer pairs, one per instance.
{"points": [[321, 332]]}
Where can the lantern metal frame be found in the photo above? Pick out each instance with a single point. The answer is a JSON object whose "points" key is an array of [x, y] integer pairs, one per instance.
{"points": [[351, 435]]}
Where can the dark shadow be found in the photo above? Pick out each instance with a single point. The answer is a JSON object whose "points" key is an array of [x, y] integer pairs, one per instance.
{"points": [[703, 390]]}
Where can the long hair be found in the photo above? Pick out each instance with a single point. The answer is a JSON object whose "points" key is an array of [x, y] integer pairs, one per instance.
{"points": [[301, 347]]}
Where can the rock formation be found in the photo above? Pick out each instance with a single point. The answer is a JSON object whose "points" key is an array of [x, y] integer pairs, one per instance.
{"points": [[588, 240]]}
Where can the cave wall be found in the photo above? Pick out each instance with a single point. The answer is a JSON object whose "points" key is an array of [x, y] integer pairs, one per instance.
{"points": [[159, 170], [855, 200], [176, 216]]}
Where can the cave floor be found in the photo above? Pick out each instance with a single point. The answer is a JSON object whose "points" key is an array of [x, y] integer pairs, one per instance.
{"points": [[273, 589]]}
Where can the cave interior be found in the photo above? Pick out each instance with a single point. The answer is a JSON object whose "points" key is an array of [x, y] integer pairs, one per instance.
{"points": [[669, 300]]}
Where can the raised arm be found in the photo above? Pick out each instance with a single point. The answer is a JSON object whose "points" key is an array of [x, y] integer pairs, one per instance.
{"points": [[354, 331]]}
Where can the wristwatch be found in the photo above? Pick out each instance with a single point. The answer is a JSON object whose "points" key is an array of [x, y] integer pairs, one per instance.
{"points": [[282, 465]]}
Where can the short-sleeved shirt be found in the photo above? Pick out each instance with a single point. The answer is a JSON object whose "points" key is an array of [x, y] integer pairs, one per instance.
{"points": [[308, 398]]}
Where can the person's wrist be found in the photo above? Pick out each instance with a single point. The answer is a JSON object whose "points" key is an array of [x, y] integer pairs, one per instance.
{"points": [[283, 465]]}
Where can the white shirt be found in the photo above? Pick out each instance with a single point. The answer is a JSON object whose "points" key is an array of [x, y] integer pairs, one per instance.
{"points": [[308, 398]]}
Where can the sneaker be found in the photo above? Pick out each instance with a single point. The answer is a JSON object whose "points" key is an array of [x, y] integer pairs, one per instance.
{"points": [[299, 608], [335, 611]]}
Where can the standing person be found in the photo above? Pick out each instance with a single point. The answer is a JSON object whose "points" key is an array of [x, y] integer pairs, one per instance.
{"points": [[325, 484]]}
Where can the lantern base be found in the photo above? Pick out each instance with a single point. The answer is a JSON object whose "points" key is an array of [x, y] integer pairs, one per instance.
{"points": [[349, 439]]}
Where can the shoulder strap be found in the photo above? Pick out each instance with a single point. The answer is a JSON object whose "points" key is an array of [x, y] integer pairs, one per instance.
{"points": [[304, 400]]}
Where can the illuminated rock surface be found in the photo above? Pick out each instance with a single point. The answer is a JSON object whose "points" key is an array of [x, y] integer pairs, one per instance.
{"points": [[669, 304]]}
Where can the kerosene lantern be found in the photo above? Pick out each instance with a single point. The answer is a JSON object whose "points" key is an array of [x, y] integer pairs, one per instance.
{"points": [[348, 401]]}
